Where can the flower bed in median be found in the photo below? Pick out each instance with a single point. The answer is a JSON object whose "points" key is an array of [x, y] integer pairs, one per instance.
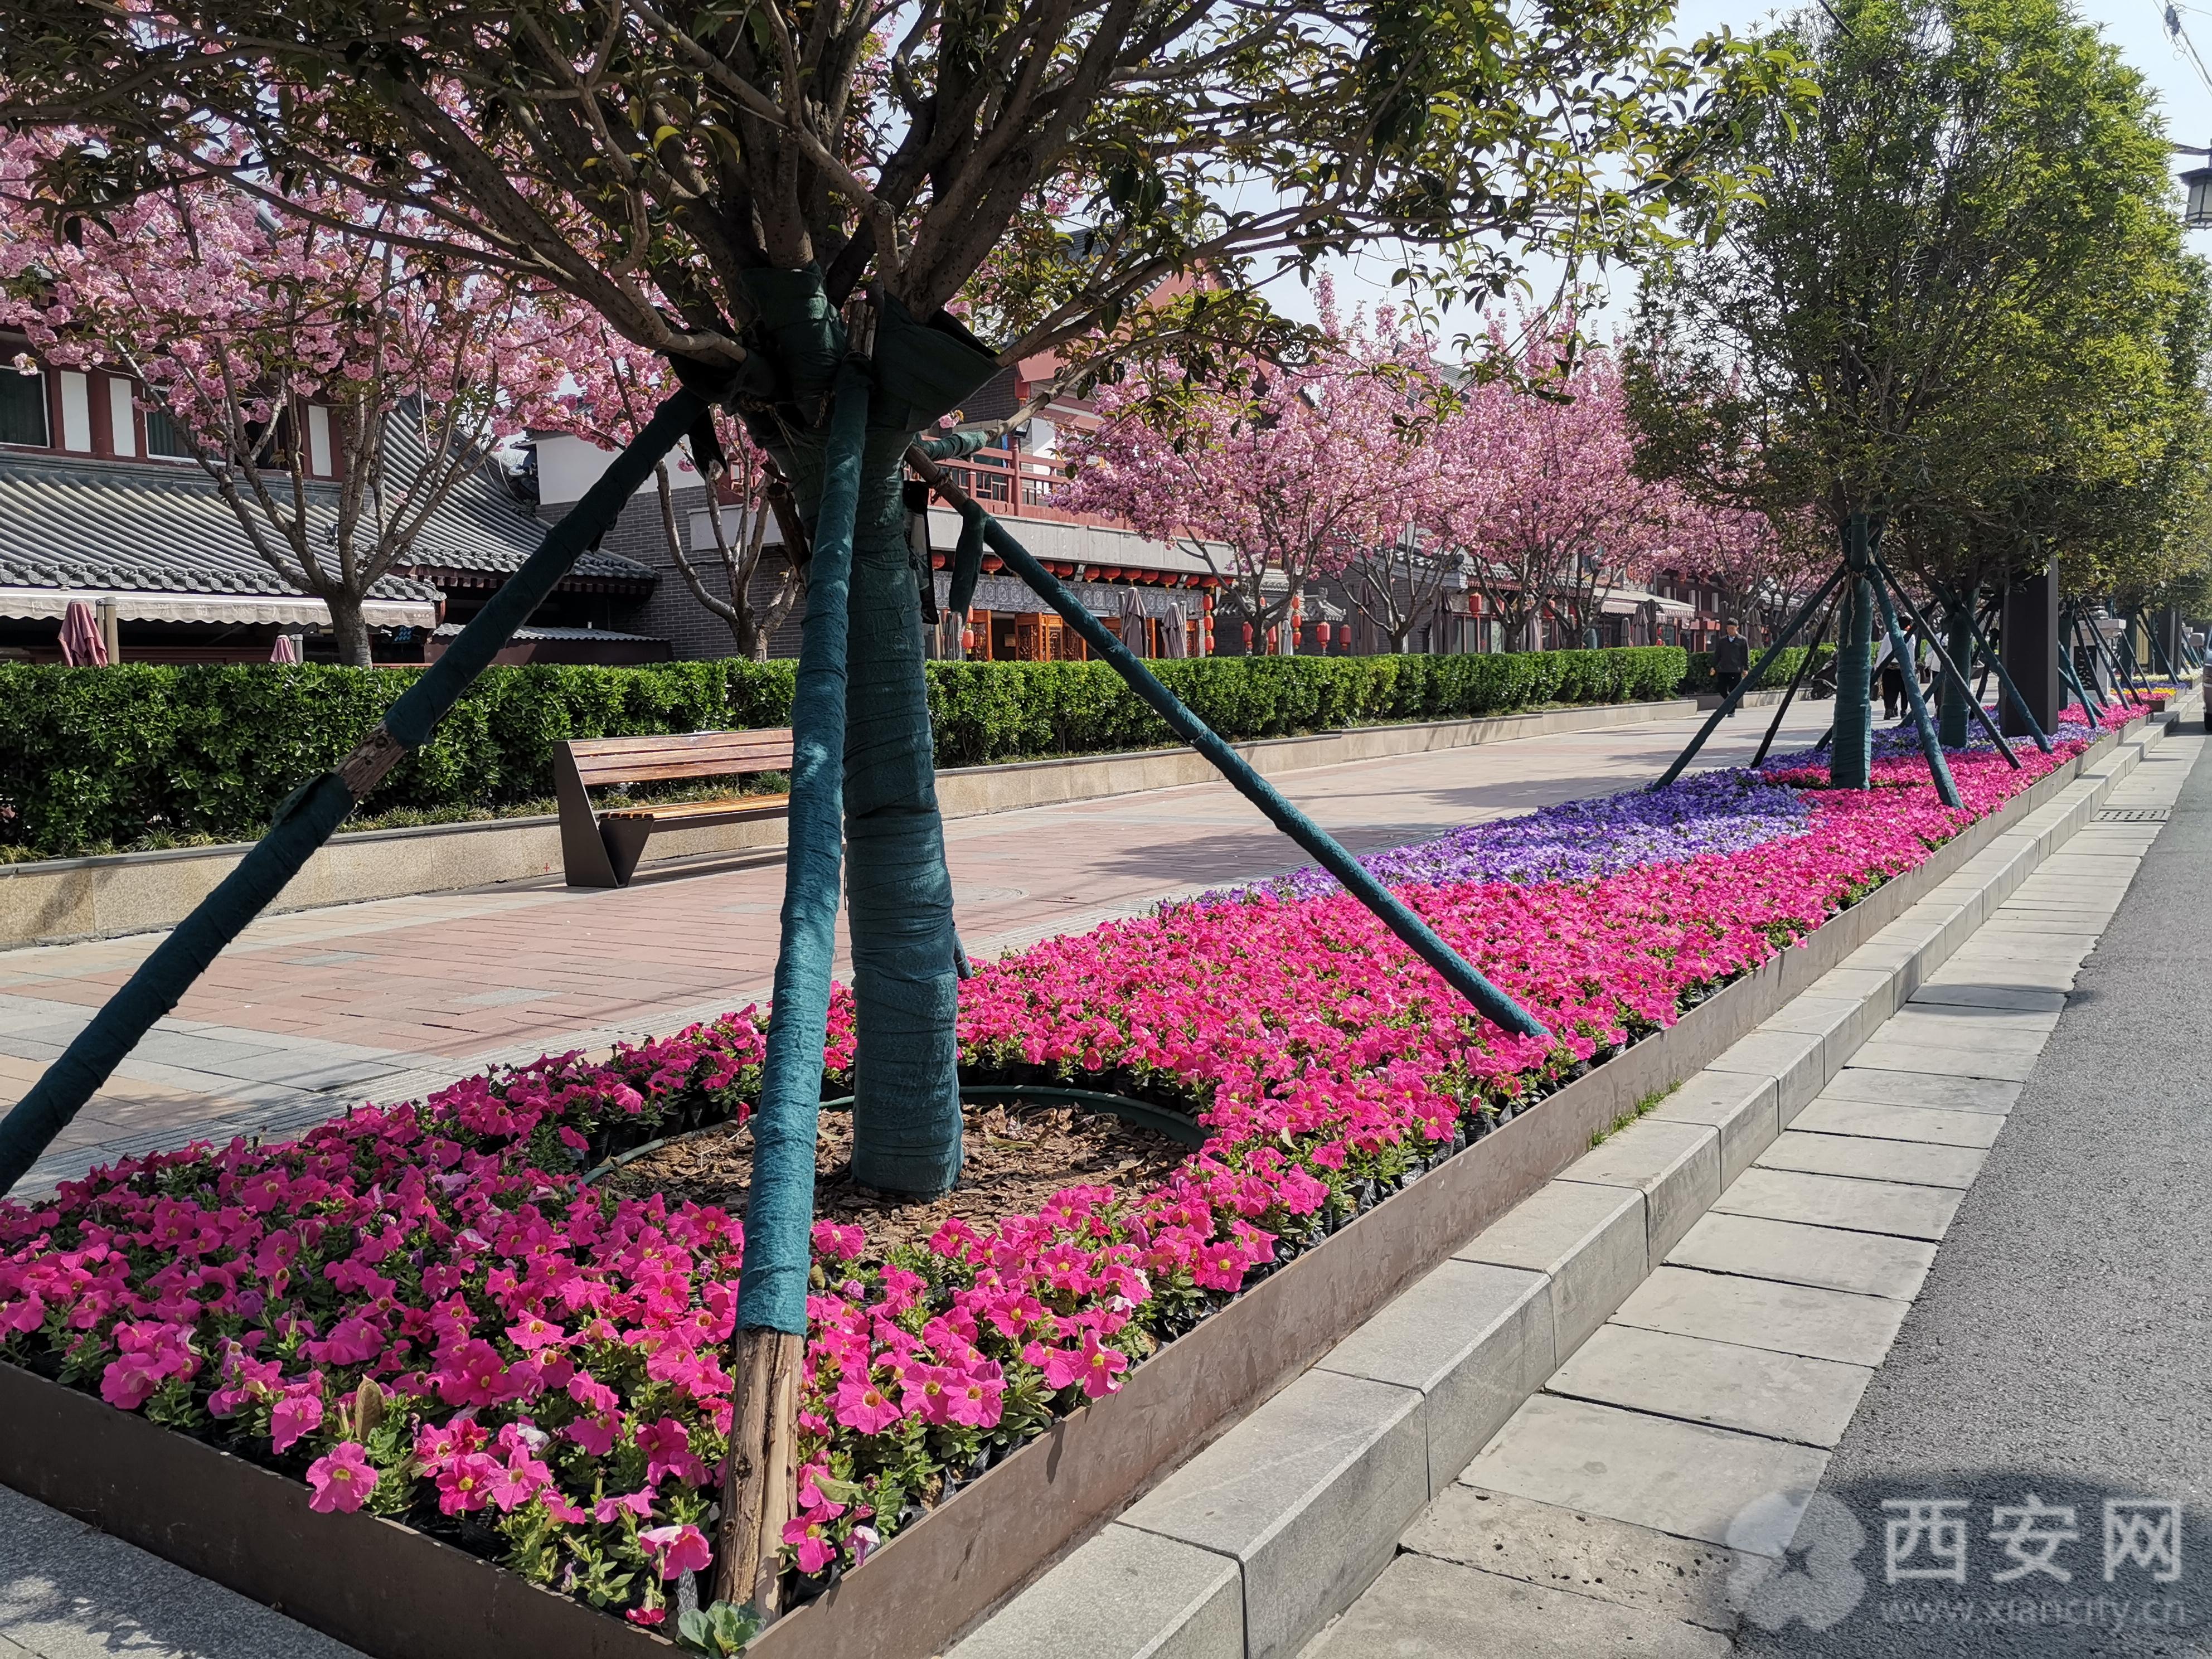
{"points": [[420, 1310]]}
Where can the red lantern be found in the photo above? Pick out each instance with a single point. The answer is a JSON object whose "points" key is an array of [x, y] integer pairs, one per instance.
{"points": [[1247, 636]]}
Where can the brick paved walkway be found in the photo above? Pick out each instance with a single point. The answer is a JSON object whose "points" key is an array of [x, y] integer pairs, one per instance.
{"points": [[312, 1011]]}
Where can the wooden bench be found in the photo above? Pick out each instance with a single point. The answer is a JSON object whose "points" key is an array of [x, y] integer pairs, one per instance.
{"points": [[602, 848]]}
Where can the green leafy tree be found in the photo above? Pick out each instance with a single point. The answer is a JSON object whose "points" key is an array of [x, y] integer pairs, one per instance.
{"points": [[1953, 303]]}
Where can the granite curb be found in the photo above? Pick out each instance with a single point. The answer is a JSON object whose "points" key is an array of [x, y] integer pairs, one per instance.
{"points": [[1293, 1511]]}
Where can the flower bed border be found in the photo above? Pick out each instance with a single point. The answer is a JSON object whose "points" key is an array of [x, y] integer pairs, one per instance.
{"points": [[395, 1593]]}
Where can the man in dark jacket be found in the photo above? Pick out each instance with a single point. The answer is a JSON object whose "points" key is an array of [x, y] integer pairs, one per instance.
{"points": [[1731, 660]]}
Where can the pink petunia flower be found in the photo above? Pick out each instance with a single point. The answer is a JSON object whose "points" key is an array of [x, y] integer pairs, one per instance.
{"points": [[342, 1480], [677, 1550]]}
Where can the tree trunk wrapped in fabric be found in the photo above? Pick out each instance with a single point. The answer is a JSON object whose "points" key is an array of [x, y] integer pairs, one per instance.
{"points": [[906, 1099]]}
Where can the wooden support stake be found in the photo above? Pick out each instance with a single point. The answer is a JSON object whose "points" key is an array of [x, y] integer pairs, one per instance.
{"points": [[760, 1490]]}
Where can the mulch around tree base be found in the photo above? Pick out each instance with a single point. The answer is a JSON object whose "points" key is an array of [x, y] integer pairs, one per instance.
{"points": [[1015, 1157]]}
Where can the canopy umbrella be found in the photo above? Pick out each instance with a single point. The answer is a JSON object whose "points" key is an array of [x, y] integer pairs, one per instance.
{"points": [[1134, 635], [83, 644], [287, 649]]}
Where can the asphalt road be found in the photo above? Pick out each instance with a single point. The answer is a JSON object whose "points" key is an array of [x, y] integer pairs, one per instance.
{"points": [[2062, 1346]]}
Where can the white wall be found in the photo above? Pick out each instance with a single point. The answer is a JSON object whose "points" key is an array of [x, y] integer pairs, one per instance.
{"points": [[567, 466]]}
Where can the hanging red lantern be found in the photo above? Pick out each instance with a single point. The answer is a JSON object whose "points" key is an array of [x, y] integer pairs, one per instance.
{"points": [[1247, 636]]}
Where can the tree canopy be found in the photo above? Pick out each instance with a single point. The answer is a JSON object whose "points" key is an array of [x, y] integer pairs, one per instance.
{"points": [[1048, 163], [1958, 305]]}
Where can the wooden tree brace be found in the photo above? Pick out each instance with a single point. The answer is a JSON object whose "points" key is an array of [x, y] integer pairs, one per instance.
{"points": [[760, 1487]]}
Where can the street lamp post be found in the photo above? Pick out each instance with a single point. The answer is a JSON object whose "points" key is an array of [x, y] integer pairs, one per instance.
{"points": [[2197, 181]]}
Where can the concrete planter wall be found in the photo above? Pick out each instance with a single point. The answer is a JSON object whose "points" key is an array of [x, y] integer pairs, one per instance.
{"points": [[397, 1594], [56, 901]]}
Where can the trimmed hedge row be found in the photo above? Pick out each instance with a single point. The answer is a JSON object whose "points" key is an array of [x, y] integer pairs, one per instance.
{"points": [[1700, 675], [103, 757]]}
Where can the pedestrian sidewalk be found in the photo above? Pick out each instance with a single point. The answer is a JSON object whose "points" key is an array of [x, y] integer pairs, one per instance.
{"points": [[310, 1012], [1656, 1489]]}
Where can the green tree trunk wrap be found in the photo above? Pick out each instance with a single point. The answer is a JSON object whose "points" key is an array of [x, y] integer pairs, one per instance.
{"points": [[1946, 788], [906, 1105], [1456, 971], [1743, 686], [1850, 754], [1955, 694], [779, 1208], [309, 816]]}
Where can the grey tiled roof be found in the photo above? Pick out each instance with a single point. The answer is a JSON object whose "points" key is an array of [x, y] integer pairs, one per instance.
{"points": [[159, 526], [152, 527]]}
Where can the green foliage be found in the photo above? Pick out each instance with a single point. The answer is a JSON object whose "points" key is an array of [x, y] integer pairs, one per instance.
{"points": [[92, 759], [1700, 675], [719, 1629], [1959, 304]]}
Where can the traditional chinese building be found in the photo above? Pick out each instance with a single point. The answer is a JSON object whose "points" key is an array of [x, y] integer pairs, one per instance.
{"points": [[101, 502]]}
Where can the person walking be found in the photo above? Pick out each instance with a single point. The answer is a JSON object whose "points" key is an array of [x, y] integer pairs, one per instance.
{"points": [[1731, 660], [1893, 686]]}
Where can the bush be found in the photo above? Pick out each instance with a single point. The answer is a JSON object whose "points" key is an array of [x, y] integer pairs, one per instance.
{"points": [[93, 758], [1700, 675]]}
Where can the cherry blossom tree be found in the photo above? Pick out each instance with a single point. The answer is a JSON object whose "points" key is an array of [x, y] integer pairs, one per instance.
{"points": [[1399, 585], [1760, 566], [1278, 475], [614, 388], [1540, 491], [237, 319]]}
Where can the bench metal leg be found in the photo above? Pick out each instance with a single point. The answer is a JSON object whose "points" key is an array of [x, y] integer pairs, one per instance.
{"points": [[624, 840], [584, 859]]}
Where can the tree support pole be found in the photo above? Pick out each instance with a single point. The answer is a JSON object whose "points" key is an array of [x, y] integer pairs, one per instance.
{"points": [[2100, 658], [1804, 667], [1742, 686], [1953, 676], [309, 815], [1422, 939], [1946, 788], [758, 1494], [2130, 670], [2158, 651], [2068, 671], [2107, 654], [2082, 641]]}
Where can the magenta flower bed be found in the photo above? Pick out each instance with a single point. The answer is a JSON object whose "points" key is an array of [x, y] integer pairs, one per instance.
{"points": [[421, 1311]]}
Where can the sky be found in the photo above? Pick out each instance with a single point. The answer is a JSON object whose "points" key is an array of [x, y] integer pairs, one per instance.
{"points": [[2136, 28]]}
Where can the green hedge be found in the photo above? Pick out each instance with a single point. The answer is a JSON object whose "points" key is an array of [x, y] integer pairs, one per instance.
{"points": [[1700, 675], [103, 757]]}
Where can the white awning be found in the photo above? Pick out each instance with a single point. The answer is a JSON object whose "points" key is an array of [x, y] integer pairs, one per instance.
{"points": [[51, 603], [1627, 601]]}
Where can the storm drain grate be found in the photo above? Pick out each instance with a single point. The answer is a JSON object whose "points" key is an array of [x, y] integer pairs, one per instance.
{"points": [[2134, 815]]}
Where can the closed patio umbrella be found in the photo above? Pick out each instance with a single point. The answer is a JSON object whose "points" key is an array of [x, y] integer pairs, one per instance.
{"points": [[1134, 635], [286, 648], [82, 645]]}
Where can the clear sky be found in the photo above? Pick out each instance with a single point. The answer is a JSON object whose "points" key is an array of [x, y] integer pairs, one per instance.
{"points": [[2136, 28]]}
